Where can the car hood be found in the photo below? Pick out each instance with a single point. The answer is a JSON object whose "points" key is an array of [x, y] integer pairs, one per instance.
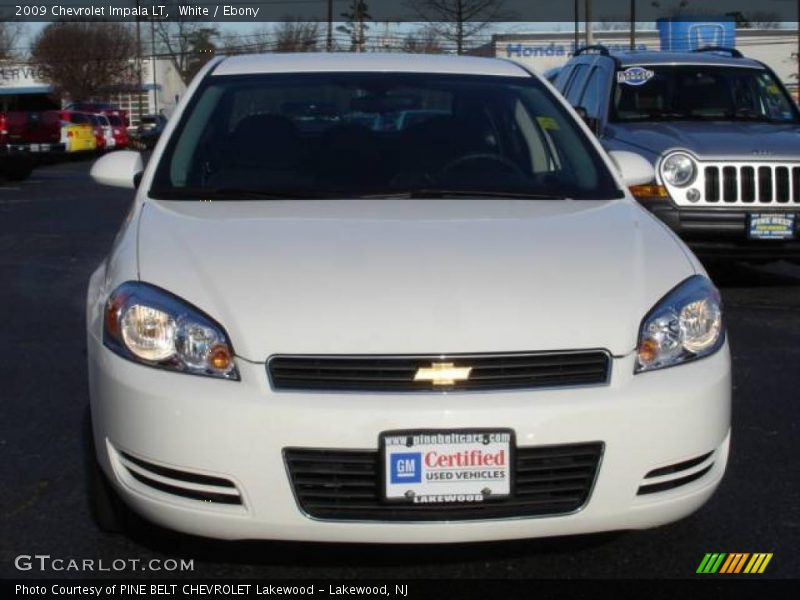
{"points": [[730, 140], [413, 276]]}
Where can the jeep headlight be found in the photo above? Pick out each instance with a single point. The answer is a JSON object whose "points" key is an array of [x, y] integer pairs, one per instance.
{"points": [[684, 325], [679, 170]]}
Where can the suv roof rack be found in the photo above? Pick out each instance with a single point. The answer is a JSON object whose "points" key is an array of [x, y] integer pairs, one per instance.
{"points": [[733, 52], [599, 48]]}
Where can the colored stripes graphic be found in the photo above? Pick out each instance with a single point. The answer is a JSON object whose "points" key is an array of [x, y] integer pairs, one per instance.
{"points": [[734, 563]]}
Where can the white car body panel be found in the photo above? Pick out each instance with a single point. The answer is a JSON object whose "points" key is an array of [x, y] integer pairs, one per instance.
{"points": [[413, 276], [394, 277]]}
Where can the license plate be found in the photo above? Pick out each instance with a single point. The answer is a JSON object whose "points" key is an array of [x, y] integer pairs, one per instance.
{"points": [[446, 467], [771, 226], [35, 147]]}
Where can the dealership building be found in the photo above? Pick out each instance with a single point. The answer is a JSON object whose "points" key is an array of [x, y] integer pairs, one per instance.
{"points": [[24, 86], [543, 51]]}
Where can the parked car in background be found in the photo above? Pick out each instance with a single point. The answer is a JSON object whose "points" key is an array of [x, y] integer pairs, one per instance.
{"points": [[78, 132], [27, 137], [119, 130], [105, 108], [468, 330], [99, 132], [722, 133], [149, 131], [110, 142]]}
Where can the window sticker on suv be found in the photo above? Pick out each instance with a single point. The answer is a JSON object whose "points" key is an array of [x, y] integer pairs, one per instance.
{"points": [[634, 76]]}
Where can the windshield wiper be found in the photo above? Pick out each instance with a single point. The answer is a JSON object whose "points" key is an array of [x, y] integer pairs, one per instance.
{"points": [[424, 193], [205, 193]]}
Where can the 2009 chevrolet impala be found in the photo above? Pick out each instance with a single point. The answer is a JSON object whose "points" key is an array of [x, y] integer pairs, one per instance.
{"points": [[388, 298]]}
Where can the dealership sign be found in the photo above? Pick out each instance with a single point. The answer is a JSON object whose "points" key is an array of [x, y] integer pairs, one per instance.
{"points": [[22, 76], [554, 49]]}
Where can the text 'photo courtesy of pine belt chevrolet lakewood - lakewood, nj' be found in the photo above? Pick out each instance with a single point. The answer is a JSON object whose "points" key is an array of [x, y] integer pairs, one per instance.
{"points": [[394, 298]]}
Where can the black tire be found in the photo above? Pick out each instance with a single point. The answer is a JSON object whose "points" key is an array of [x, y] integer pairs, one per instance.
{"points": [[107, 510]]}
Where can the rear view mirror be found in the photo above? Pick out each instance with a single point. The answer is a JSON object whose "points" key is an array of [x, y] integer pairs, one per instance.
{"points": [[118, 169]]}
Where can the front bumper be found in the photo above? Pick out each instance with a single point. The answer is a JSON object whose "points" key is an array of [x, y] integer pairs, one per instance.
{"points": [[32, 149], [238, 431], [722, 232]]}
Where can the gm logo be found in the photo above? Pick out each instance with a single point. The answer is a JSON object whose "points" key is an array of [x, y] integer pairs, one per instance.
{"points": [[703, 35], [406, 467]]}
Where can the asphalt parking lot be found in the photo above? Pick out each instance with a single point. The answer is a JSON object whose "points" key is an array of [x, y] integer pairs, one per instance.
{"points": [[54, 230]]}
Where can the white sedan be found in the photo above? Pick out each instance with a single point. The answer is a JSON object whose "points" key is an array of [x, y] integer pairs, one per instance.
{"points": [[313, 326]]}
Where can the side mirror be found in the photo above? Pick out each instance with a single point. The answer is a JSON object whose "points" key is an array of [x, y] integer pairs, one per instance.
{"points": [[634, 168], [591, 122], [118, 169]]}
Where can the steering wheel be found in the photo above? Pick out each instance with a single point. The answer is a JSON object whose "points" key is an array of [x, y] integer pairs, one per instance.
{"points": [[464, 161]]}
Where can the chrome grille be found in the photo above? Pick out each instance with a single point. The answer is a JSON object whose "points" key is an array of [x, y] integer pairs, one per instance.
{"points": [[380, 373], [744, 185]]}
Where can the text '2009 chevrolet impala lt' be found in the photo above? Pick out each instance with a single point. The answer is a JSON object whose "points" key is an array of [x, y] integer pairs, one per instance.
{"points": [[389, 298]]}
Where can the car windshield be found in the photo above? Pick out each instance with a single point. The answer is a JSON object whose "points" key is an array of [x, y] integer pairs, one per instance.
{"points": [[327, 135], [700, 92]]}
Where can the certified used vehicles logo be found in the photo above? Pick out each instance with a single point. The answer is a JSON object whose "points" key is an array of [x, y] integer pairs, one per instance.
{"points": [[734, 563]]}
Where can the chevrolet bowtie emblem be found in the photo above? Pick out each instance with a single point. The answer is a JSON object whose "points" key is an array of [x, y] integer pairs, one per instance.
{"points": [[441, 373]]}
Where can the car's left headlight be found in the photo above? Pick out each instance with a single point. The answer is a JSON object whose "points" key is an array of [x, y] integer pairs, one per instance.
{"points": [[153, 327], [684, 325]]}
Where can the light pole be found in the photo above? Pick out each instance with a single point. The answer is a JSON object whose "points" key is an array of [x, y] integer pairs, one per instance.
{"points": [[329, 42], [139, 62], [577, 27], [633, 25], [153, 62], [589, 33]]}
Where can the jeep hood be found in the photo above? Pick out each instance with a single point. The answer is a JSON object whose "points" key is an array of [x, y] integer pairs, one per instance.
{"points": [[413, 276], [727, 140]]}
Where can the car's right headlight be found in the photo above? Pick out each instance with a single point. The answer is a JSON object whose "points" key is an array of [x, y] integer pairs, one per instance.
{"points": [[153, 327], [679, 169], [684, 325]]}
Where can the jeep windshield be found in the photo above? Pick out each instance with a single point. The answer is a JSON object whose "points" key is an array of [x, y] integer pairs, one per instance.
{"points": [[700, 92], [374, 135]]}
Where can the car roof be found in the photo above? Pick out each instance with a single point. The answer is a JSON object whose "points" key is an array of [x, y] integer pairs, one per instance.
{"points": [[307, 62], [634, 58]]}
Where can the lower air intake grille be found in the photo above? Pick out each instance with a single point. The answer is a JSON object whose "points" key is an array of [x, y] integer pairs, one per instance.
{"points": [[398, 373], [193, 486], [345, 484], [676, 475]]}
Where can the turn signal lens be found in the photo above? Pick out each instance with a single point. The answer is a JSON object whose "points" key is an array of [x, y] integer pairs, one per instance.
{"points": [[649, 191], [220, 358]]}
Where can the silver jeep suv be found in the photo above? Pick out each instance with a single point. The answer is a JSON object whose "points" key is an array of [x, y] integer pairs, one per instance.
{"points": [[722, 133]]}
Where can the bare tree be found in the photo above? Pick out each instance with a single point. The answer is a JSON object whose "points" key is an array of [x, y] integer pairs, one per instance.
{"points": [[355, 25], [258, 41], [423, 41], [459, 21], [85, 59], [296, 36], [763, 19], [10, 34], [185, 42]]}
